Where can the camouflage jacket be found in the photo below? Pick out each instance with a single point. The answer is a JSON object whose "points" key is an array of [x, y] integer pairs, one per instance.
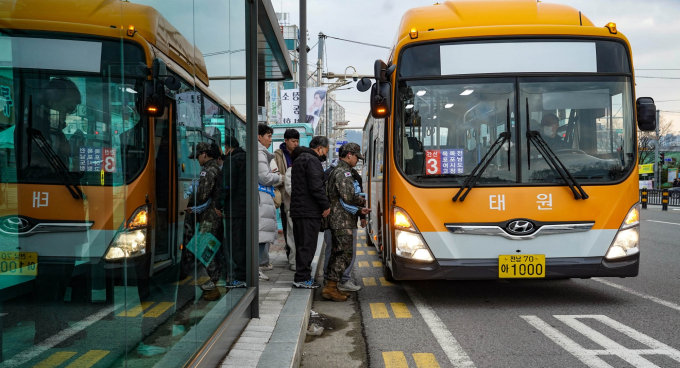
{"points": [[340, 185], [209, 187]]}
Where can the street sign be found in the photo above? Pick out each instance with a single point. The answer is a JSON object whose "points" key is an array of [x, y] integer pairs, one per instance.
{"points": [[340, 143], [669, 159]]}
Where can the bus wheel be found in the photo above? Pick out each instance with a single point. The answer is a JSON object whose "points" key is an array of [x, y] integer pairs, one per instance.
{"points": [[387, 272]]}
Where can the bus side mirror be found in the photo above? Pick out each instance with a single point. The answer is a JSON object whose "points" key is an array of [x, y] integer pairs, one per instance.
{"points": [[379, 69], [381, 100], [153, 99], [646, 114], [364, 84], [160, 74]]}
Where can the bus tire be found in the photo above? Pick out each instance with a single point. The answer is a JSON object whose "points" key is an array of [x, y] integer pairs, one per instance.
{"points": [[387, 272]]}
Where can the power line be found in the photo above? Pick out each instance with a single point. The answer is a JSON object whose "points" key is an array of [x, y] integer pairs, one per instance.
{"points": [[360, 43], [639, 76], [656, 69], [223, 52], [370, 102], [666, 101]]}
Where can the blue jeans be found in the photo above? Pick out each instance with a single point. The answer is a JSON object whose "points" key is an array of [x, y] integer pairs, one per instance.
{"points": [[327, 238], [264, 254]]}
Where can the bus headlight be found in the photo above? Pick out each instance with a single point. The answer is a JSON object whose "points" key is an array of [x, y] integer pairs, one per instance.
{"points": [[627, 241], [130, 240], [410, 245]]}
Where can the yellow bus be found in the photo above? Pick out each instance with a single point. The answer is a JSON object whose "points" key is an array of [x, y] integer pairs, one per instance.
{"points": [[502, 144], [102, 106]]}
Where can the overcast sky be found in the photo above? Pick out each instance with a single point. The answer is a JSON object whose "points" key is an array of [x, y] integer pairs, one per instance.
{"points": [[651, 27]]}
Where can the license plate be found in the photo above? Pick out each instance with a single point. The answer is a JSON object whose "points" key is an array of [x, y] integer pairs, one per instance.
{"points": [[521, 266], [18, 264]]}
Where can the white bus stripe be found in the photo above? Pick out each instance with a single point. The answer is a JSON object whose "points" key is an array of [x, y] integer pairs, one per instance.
{"points": [[448, 343], [641, 295]]}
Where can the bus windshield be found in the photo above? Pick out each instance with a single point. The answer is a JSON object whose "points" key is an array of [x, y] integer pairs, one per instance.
{"points": [[445, 126], [77, 96]]}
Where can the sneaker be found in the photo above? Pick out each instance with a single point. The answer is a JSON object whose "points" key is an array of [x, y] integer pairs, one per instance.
{"points": [[208, 286], [309, 284], [348, 285], [221, 283], [293, 268], [236, 284], [267, 267], [263, 276]]}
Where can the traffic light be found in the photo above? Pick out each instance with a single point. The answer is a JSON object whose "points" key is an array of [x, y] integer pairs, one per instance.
{"points": [[663, 158]]}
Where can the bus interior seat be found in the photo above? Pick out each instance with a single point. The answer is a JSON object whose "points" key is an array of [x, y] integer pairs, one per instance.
{"points": [[413, 156]]}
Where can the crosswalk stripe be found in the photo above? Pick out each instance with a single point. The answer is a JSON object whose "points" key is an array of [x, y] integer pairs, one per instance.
{"points": [[55, 359], [395, 359], [363, 237], [425, 360], [384, 282], [365, 245], [136, 310], [379, 310], [358, 245], [88, 359], [371, 253], [363, 263], [202, 280], [400, 310], [182, 282], [159, 309], [369, 281], [360, 252], [377, 264]]}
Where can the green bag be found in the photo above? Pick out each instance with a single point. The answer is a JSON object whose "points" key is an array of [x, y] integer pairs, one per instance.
{"points": [[204, 246]]}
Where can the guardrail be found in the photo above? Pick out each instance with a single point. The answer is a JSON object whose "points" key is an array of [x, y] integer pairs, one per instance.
{"points": [[659, 196]]}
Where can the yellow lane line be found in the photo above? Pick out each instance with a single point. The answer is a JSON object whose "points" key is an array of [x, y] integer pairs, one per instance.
{"points": [[425, 360], [363, 263], [363, 237], [55, 359], [358, 245], [369, 281], [384, 282], [400, 310], [88, 359], [379, 310], [371, 253], [182, 282], [159, 309], [395, 359], [202, 280], [377, 264], [365, 245], [136, 310], [360, 252]]}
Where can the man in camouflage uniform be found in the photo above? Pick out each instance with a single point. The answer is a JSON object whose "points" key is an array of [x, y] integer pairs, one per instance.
{"points": [[346, 206], [206, 199]]}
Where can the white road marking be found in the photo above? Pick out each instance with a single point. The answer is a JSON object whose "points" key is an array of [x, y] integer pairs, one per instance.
{"points": [[611, 347], [641, 295], [664, 222], [448, 343], [48, 344]]}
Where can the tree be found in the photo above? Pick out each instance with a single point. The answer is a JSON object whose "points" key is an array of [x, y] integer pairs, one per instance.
{"points": [[648, 140]]}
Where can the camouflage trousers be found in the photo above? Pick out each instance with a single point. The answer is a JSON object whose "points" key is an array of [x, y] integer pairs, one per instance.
{"points": [[190, 266], [341, 253]]}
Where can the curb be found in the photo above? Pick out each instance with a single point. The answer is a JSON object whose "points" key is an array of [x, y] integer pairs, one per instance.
{"points": [[284, 349]]}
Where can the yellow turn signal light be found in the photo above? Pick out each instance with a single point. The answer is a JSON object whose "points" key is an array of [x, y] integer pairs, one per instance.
{"points": [[152, 109], [401, 220], [381, 110], [612, 27], [633, 217], [140, 220], [413, 34], [131, 31]]}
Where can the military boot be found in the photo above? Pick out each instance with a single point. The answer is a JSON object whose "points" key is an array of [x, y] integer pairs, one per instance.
{"points": [[212, 295], [331, 292]]}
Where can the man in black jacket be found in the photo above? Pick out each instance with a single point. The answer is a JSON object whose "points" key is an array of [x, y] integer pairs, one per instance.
{"points": [[308, 205], [234, 211]]}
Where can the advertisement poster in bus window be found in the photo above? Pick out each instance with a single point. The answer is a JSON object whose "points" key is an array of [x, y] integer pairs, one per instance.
{"points": [[189, 109], [443, 162]]}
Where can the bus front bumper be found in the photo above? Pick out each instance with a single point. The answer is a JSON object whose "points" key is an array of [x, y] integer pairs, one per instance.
{"points": [[487, 269]]}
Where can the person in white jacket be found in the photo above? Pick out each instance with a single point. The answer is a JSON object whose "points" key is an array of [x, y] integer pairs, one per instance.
{"points": [[267, 180]]}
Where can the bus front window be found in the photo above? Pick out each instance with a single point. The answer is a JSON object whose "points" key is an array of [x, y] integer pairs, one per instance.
{"points": [[446, 127], [70, 112]]}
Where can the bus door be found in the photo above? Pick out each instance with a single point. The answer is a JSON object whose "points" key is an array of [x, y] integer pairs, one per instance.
{"points": [[165, 191]]}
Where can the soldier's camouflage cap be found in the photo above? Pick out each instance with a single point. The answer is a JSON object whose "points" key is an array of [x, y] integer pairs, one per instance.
{"points": [[200, 148], [352, 148]]}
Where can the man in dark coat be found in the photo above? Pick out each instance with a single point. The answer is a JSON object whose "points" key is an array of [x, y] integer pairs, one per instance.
{"points": [[308, 205], [234, 211]]}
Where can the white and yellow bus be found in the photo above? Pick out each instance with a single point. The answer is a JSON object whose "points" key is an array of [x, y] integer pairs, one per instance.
{"points": [[502, 144]]}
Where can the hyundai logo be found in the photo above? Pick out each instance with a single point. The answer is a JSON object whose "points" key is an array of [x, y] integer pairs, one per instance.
{"points": [[520, 227], [15, 224]]}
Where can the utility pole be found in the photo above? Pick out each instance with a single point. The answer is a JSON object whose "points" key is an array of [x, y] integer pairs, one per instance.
{"points": [[657, 174], [319, 70], [303, 61]]}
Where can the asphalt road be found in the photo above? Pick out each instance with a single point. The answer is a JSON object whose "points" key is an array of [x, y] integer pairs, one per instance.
{"points": [[632, 322]]}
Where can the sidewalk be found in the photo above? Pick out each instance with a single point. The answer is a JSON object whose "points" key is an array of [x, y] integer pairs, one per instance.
{"points": [[276, 338]]}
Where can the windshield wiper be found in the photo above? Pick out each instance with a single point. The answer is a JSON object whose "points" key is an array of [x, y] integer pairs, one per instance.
{"points": [[50, 155], [551, 158], [486, 160]]}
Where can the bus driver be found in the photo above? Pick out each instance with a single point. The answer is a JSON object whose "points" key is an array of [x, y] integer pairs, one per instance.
{"points": [[549, 125]]}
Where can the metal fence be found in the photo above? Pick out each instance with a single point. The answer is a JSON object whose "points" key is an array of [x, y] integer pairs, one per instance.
{"points": [[654, 196]]}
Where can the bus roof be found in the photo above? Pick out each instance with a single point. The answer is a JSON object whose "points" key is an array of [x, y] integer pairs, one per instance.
{"points": [[480, 13], [148, 23]]}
